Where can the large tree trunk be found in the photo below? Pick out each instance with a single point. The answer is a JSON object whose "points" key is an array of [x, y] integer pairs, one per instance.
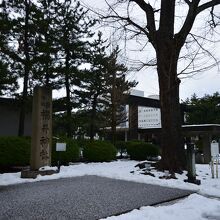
{"points": [[171, 137]]}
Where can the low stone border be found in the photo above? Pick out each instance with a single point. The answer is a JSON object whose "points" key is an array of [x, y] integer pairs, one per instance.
{"points": [[34, 173]]}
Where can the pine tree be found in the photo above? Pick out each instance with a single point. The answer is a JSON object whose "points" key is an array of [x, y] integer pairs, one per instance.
{"points": [[46, 48], [93, 86], [18, 45], [72, 30], [118, 86], [204, 110], [8, 79]]}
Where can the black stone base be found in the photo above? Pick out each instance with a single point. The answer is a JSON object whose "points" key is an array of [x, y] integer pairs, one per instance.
{"points": [[33, 173]]}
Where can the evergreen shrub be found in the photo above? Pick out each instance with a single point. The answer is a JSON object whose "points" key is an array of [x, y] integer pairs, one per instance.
{"points": [[141, 150], [14, 151], [82, 142], [70, 155], [99, 151]]}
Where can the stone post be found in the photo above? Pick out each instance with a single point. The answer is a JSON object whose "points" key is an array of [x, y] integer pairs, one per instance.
{"points": [[41, 140], [191, 165]]}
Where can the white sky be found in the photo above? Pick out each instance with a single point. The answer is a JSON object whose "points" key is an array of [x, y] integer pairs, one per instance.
{"points": [[202, 83]]}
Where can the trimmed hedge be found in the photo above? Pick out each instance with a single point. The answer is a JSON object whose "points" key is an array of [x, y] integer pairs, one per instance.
{"points": [[82, 142], [70, 155], [14, 151], [141, 150], [99, 151]]}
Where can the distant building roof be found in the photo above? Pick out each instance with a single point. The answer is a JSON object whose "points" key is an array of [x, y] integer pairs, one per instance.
{"points": [[136, 92]]}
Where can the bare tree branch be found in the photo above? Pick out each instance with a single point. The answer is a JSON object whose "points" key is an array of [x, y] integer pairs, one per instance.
{"points": [[190, 63], [196, 71], [190, 18], [147, 8], [208, 52], [129, 22], [188, 2], [213, 17], [207, 5]]}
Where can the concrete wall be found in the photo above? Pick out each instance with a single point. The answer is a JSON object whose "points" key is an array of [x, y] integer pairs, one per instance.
{"points": [[9, 121]]}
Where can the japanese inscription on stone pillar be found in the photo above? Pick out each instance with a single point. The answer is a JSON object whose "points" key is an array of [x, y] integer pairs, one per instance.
{"points": [[41, 128]]}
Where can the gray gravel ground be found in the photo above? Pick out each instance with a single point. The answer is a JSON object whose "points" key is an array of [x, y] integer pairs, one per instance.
{"points": [[80, 198]]}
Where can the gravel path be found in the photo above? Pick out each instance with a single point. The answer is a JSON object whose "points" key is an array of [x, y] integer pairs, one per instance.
{"points": [[79, 198]]}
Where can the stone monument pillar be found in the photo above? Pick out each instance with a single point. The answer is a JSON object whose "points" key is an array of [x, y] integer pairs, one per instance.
{"points": [[41, 138]]}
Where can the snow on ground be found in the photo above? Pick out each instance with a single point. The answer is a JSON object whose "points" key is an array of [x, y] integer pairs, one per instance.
{"points": [[191, 208], [121, 170], [194, 207]]}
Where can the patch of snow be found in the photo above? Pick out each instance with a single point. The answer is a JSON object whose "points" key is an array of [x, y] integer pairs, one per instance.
{"points": [[121, 169], [191, 208], [48, 168], [201, 125]]}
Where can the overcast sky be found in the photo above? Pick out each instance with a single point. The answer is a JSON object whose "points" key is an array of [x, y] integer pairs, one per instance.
{"points": [[203, 83]]}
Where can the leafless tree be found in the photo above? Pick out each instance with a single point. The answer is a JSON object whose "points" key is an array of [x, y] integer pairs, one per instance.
{"points": [[167, 25]]}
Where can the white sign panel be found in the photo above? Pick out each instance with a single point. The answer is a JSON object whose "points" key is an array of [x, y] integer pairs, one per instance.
{"points": [[214, 149], [60, 146]]}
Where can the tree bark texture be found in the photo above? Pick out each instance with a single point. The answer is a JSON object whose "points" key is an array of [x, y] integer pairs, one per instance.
{"points": [[167, 48], [171, 137]]}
